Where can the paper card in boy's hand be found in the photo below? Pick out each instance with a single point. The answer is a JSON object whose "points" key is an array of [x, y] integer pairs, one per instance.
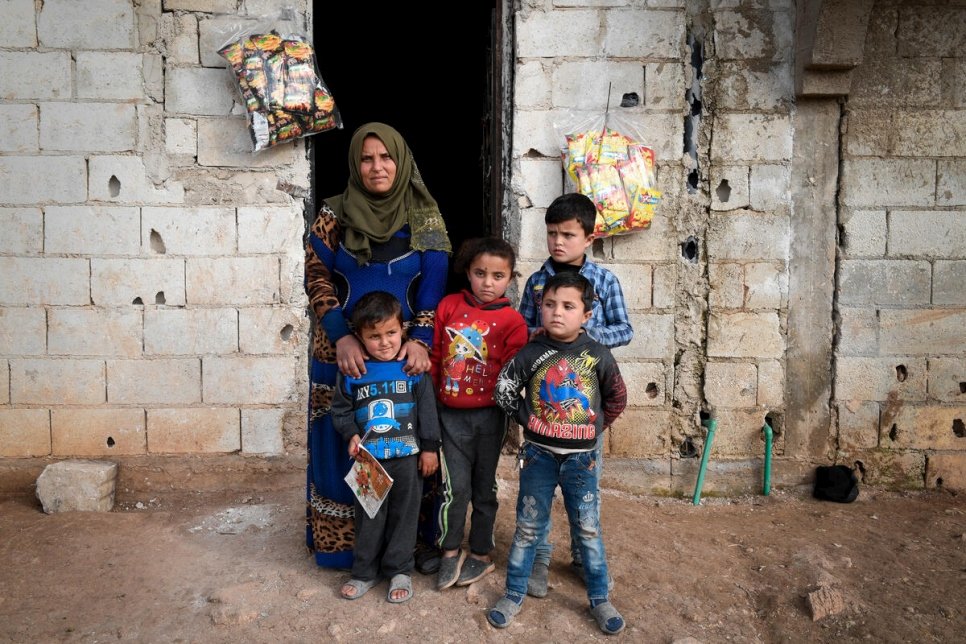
{"points": [[369, 481]]}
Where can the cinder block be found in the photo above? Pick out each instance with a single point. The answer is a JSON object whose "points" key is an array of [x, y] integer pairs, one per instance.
{"points": [[931, 132], [635, 282], [896, 82], [181, 137], [947, 283], [87, 127], [30, 281], [212, 6], [640, 433], [62, 381], [291, 289], [727, 284], [865, 234], [955, 70], [531, 86], [647, 384], [94, 24], [180, 34], [927, 234], [152, 69], [197, 90], [558, 33], [581, 84], [87, 230], [233, 280], [19, 25], [121, 282], [663, 85], [752, 137], [227, 142], [190, 331], [261, 431], [745, 235], [188, 231], [924, 428], [271, 330], [938, 31], [24, 432], [867, 183], [23, 331], [170, 381], [918, 332], [19, 184], [94, 332], [951, 178], [125, 83], [892, 378], [77, 486], [97, 432], [731, 384], [729, 187], [750, 88], [540, 180], [766, 286], [193, 430], [655, 244], [663, 132], [653, 338], [125, 179], [947, 471], [869, 131], [26, 75], [753, 34], [249, 380], [21, 231], [947, 379], [858, 424], [884, 282], [639, 33], [270, 230], [739, 433], [771, 384], [18, 126], [4, 381], [858, 331], [534, 133], [889, 468], [665, 285], [771, 189], [745, 335]]}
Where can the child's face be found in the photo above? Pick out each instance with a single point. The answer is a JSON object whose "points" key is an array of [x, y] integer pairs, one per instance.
{"points": [[566, 242], [489, 276], [563, 313], [383, 339]]}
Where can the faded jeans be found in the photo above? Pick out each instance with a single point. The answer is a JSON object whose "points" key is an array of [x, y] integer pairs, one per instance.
{"points": [[577, 475]]}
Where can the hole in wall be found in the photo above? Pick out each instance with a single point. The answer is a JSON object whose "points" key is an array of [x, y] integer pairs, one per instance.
{"points": [[157, 244], [113, 186], [901, 373], [687, 449], [286, 332], [693, 97], [893, 432], [962, 387], [689, 249], [159, 297], [651, 390], [110, 441], [939, 482], [704, 416], [860, 466], [958, 428], [723, 191], [138, 301], [630, 99]]}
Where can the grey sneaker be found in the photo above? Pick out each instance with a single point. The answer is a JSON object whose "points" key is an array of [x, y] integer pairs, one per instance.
{"points": [[449, 570], [538, 584], [473, 570]]}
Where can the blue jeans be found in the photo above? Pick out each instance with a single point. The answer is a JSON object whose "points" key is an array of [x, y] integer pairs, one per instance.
{"points": [[578, 477], [545, 548]]}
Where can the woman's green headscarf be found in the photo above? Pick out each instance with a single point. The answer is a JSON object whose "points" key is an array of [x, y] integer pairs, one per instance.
{"points": [[366, 217]]}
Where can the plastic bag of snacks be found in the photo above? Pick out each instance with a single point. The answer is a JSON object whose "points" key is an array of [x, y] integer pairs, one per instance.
{"points": [[281, 89], [609, 164]]}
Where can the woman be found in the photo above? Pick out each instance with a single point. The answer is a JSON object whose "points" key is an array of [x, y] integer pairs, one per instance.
{"points": [[385, 233]]}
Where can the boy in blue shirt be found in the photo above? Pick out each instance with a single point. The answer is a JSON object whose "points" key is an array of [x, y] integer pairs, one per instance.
{"points": [[570, 231]]}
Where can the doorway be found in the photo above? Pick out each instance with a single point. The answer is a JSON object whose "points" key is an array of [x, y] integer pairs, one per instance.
{"points": [[385, 63]]}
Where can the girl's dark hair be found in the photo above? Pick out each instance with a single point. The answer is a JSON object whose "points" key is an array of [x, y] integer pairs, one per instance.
{"points": [[473, 248], [375, 307], [575, 280]]}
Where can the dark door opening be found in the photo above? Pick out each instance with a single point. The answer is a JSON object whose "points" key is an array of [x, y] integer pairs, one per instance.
{"points": [[385, 63]]}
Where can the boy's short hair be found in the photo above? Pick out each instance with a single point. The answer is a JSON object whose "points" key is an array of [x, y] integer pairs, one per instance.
{"points": [[473, 248], [572, 205], [572, 279], [375, 307]]}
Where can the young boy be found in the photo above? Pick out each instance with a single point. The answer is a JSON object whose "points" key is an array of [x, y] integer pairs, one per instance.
{"points": [[573, 390], [393, 415], [570, 231]]}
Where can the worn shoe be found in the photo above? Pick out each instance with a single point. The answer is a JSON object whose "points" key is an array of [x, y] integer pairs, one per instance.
{"points": [[400, 582], [503, 613], [449, 570], [608, 619], [359, 587], [539, 584], [473, 570], [427, 559]]}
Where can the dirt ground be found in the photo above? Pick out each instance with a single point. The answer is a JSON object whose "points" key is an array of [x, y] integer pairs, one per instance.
{"points": [[232, 567]]}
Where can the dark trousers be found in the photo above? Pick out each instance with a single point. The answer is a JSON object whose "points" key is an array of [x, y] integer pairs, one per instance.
{"points": [[384, 544], [472, 439]]}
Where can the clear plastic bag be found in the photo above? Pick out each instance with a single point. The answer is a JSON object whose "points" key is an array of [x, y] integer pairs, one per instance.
{"points": [[277, 76], [605, 159]]}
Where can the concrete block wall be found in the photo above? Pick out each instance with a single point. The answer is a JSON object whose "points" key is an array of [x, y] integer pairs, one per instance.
{"points": [[900, 374], [150, 264]]}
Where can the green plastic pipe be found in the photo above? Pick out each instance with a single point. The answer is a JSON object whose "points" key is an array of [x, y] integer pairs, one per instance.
{"points": [[766, 486], [711, 424]]}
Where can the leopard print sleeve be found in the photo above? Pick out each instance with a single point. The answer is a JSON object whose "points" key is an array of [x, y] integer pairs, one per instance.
{"points": [[323, 239]]}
